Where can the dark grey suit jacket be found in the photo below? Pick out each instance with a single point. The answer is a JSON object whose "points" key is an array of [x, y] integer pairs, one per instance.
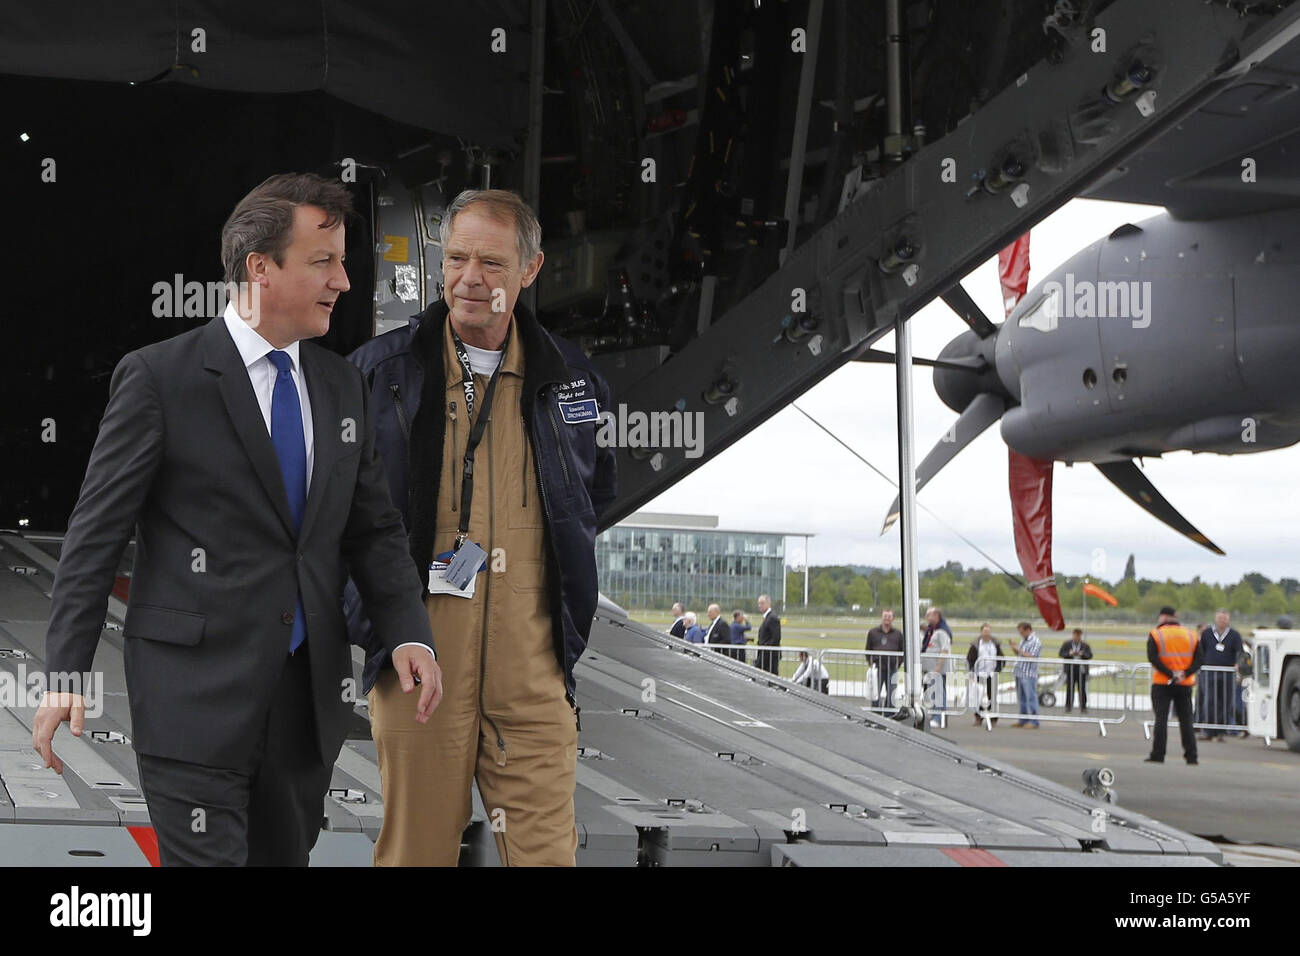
{"points": [[769, 631], [184, 460]]}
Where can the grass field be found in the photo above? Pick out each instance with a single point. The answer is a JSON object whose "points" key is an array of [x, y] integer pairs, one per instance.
{"points": [[1111, 642]]}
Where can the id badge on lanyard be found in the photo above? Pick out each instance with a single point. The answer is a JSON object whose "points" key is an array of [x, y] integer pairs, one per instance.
{"points": [[454, 572]]}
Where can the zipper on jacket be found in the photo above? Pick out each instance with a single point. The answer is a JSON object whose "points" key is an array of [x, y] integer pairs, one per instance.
{"points": [[559, 443], [455, 495], [401, 412], [396, 391], [550, 543]]}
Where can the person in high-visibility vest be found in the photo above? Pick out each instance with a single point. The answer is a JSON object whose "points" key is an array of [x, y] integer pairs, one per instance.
{"points": [[1175, 656]]}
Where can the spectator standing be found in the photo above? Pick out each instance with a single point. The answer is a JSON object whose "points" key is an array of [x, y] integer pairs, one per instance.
{"points": [[936, 642], [678, 628], [984, 660], [694, 633], [1217, 690], [739, 625], [718, 635], [1076, 674], [769, 635], [1175, 657], [1027, 650], [886, 637]]}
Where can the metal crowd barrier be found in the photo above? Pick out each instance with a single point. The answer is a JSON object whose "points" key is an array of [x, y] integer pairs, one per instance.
{"points": [[784, 659], [943, 677], [879, 678], [876, 676], [1106, 686], [739, 652], [1217, 705], [1104, 692]]}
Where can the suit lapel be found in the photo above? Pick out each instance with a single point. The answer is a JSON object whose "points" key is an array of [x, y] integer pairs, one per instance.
{"points": [[326, 431], [221, 356]]}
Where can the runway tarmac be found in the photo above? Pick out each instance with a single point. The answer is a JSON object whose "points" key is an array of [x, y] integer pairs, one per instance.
{"points": [[1241, 790]]}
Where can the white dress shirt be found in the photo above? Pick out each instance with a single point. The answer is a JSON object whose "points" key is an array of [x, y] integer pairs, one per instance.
{"points": [[254, 350]]}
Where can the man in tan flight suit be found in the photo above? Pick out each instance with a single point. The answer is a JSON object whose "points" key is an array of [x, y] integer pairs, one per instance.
{"points": [[508, 718]]}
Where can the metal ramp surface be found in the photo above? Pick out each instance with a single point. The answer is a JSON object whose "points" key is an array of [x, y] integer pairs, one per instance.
{"points": [[686, 758], [713, 762]]}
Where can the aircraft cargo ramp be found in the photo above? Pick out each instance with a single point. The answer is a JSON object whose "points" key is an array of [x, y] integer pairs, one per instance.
{"points": [[687, 758]]}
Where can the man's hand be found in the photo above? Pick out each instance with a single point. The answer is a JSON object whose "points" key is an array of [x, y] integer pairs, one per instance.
{"points": [[1178, 675], [55, 709], [416, 664]]}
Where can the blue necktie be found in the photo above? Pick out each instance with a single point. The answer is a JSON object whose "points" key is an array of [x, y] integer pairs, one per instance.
{"points": [[291, 449]]}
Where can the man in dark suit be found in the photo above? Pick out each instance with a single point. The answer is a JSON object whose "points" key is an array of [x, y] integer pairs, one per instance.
{"points": [[1076, 674], [678, 628], [718, 632], [769, 635], [1216, 691], [244, 462]]}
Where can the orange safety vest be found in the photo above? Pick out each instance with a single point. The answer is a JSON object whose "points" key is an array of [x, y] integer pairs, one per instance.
{"points": [[1175, 646]]}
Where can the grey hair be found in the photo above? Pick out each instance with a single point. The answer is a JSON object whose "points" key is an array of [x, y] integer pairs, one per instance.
{"points": [[263, 220], [501, 204]]}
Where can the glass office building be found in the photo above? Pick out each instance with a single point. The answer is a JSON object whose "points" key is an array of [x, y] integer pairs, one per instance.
{"points": [[651, 560]]}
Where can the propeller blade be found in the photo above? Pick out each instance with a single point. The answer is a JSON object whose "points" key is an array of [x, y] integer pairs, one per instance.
{"points": [[959, 300], [1030, 483], [1129, 478], [972, 363], [979, 415]]}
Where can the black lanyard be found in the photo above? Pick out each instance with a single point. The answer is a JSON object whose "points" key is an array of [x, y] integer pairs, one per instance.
{"points": [[476, 433]]}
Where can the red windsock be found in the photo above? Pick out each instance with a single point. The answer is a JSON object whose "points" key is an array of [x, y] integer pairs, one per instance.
{"points": [[1104, 595], [1030, 483]]}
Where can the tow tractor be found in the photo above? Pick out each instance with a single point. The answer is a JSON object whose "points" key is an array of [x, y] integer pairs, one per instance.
{"points": [[1270, 686]]}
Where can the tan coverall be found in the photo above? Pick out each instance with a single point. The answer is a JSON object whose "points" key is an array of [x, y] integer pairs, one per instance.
{"points": [[504, 719]]}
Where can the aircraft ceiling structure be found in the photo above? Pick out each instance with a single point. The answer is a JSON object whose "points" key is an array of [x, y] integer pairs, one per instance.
{"points": [[736, 199], [911, 234], [401, 60], [1195, 169]]}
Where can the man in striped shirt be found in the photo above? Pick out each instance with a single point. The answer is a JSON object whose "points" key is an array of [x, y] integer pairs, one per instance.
{"points": [[1027, 673]]}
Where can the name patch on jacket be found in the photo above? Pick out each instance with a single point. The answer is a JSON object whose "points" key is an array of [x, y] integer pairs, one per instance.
{"points": [[582, 411]]}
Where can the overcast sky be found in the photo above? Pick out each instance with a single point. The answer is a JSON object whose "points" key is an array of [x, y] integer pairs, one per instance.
{"points": [[1247, 504]]}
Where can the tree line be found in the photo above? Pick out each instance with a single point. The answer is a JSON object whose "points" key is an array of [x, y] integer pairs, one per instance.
{"points": [[980, 592]]}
